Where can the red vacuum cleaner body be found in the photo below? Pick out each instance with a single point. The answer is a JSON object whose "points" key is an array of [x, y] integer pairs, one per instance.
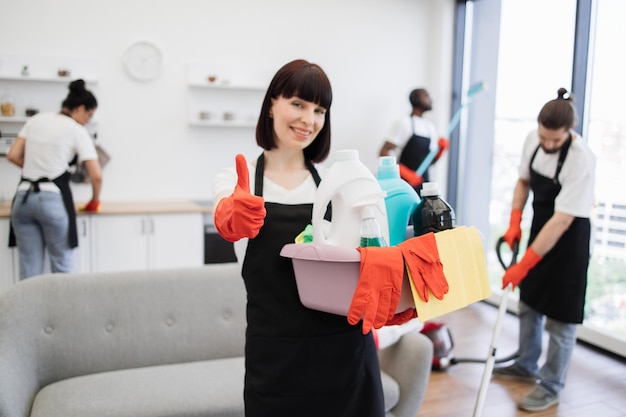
{"points": [[441, 337]]}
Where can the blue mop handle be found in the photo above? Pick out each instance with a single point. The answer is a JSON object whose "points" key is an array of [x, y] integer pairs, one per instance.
{"points": [[473, 90]]}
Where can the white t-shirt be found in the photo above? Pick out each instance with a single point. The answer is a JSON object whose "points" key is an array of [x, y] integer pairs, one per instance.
{"points": [[577, 176], [51, 141], [401, 131]]}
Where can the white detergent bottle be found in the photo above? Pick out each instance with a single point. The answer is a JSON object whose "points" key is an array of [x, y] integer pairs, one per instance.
{"points": [[348, 185]]}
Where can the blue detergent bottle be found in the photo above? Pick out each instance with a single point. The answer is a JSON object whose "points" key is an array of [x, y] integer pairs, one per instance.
{"points": [[401, 200], [433, 214]]}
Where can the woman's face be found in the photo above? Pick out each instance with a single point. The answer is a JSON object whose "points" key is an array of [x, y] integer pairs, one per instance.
{"points": [[82, 115], [297, 122]]}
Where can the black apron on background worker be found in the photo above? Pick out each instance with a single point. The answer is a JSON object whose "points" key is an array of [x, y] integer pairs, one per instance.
{"points": [[63, 183], [300, 362], [556, 286], [415, 151]]}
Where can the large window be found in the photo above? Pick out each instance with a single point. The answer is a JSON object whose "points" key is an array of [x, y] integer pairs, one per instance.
{"points": [[606, 132], [537, 40]]}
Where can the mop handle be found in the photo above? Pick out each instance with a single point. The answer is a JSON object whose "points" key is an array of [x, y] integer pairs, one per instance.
{"points": [[491, 355], [474, 89], [491, 358]]}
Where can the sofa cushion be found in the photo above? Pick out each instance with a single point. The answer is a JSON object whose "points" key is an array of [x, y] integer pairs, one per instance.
{"points": [[391, 391], [181, 390], [191, 389]]}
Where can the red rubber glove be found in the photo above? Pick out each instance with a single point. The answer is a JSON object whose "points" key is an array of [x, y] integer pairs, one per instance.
{"points": [[92, 206], [514, 232], [377, 294], [443, 145], [241, 214], [424, 266], [410, 176], [516, 273], [403, 317]]}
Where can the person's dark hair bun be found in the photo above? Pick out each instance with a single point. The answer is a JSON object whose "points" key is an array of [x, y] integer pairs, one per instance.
{"points": [[78, 87], [563, 94], [79, 96]]}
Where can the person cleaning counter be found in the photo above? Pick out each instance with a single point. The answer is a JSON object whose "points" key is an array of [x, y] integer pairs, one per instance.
{"points": [[133, 207], [131, 235], [43, 216]]}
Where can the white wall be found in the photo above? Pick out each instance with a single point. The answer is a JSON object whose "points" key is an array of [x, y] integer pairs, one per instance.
{"points": [[374, 52]]}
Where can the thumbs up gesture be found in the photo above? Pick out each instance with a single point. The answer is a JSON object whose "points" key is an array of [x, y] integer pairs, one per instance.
{"points": [[241, 214]]}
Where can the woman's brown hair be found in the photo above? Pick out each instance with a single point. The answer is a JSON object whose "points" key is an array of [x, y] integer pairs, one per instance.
{"points": [[309, 82]]}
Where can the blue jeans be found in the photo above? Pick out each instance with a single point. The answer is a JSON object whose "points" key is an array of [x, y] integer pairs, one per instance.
{"points": [[41, 224], [560, 347]]}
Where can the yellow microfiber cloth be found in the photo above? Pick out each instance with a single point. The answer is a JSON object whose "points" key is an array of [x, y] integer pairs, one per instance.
{"points": [[465, 268]]}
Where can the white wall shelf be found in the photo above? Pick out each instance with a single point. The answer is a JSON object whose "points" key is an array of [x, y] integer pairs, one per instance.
{"points": [[61, 80], [234, 87], [13, 119], [231, 100], [43, 89], [233, 123]]}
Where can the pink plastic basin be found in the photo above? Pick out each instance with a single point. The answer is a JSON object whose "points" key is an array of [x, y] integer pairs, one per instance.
{"points": [[327, 277]]}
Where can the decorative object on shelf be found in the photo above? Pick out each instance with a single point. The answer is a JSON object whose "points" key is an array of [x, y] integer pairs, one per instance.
{"points": [[204, 115], [25, 71], [212, 78], [31, 111], [63, 72], [7, 108], [143, 61]]}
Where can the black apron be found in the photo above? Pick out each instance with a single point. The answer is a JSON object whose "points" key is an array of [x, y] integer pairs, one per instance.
{"points": [[63, 182], [556, 286], [415, 151], [300, 362]]}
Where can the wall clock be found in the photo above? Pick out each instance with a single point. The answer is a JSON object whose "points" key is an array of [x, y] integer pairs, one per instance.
{"points": [[143, 61]]}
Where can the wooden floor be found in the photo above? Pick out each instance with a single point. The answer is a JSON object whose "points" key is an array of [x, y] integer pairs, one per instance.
{"points": [[596, 384]]}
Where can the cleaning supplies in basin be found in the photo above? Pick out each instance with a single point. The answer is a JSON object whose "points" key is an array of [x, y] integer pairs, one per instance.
{"points": [[348, 186], [401, 200], [433, 214], [327, 276]]}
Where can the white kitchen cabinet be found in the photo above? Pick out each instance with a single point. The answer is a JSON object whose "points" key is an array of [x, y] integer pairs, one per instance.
{"points": [[82, 254], [8, 258], [146, 241]]}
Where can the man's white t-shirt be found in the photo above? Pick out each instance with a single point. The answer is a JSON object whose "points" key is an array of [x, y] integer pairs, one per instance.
{"points": [[577, 176], [402, 129]]}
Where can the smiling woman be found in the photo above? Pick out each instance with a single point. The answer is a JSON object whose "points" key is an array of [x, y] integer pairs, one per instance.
{"points": [[294, 355]]}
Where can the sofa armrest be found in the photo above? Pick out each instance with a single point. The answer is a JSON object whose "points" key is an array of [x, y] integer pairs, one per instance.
{"points": [[19, 379], [409, 362]]}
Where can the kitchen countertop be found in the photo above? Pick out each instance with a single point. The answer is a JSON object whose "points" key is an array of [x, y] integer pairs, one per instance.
{"points": [[137, 207]]}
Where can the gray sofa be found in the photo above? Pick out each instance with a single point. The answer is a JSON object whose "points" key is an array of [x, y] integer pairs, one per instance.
{"points": [[149, 344]]}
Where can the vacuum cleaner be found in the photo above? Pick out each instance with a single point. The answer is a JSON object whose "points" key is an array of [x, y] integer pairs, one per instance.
{"points": [[443, 358]]}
